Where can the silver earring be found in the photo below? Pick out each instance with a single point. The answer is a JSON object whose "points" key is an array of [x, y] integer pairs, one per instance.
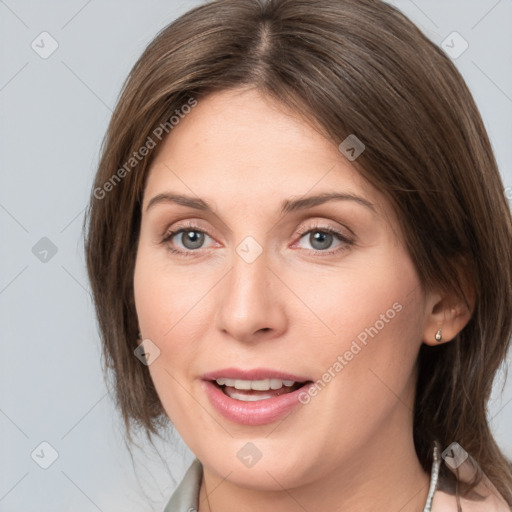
{"points": [[139, 336], [439, 336]]}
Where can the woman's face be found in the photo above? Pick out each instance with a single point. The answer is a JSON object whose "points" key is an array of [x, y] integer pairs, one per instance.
{"points": [[257, 291]]}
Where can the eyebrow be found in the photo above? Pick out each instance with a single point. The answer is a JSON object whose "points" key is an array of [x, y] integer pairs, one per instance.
{"points": [[287, 206]]}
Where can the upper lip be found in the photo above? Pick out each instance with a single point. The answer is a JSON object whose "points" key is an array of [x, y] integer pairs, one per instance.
{"points": [[253, 374]]}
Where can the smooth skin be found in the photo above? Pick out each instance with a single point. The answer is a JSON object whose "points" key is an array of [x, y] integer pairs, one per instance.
{"points": [[297, 307]]}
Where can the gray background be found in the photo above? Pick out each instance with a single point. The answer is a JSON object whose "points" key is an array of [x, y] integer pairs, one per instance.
{"points": [[54, 113]]}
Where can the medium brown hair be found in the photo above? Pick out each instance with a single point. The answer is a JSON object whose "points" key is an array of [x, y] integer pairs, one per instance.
{"points": [[348, 67]]}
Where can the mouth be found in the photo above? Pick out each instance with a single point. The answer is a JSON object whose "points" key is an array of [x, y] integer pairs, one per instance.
{"points": [[254, 397], [254, 390]]}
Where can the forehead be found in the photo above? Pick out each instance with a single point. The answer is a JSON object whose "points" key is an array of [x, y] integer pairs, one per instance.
{"points": [[243, 145]]}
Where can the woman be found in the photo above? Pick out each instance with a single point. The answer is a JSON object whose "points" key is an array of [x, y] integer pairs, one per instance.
{"points": [[300, 253]]}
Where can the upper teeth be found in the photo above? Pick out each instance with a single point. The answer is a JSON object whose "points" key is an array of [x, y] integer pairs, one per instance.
{"points": [[259, 385]]}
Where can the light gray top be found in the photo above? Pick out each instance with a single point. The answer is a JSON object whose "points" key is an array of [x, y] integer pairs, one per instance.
{"points": [[186, 496]]}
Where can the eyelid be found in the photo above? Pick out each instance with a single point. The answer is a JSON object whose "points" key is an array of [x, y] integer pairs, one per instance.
{"points": [[196, 224], [325, 227], [185, 225]]}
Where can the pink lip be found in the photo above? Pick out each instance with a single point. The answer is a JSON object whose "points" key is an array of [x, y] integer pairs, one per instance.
{"points": [[255, 374], [252, 413]]}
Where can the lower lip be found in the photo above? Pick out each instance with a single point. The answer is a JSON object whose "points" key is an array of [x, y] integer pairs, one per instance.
{"points": [[260, 412]]}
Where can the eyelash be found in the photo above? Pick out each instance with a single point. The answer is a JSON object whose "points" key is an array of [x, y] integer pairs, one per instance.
{"points": [[301, 232]]}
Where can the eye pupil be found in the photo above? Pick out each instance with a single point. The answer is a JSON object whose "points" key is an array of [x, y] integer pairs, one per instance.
{"points": [[325, 239]]}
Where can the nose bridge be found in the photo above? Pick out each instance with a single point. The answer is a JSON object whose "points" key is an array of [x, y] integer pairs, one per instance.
{"points": [[250, 300], [249, 278]]}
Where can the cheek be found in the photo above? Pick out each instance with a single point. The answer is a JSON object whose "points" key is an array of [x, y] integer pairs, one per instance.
{"points": [[163, 296], [170, 309], [375, 295], [161, 300], [371, 334]]}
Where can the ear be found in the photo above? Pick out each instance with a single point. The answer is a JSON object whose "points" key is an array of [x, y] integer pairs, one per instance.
{"points": [[448, 311]]}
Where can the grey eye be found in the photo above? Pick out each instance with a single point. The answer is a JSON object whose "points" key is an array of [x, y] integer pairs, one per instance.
{"points": [[192, 239], [320, 240]]}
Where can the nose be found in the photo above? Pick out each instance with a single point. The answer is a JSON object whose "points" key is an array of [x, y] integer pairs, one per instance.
{"points": [[252, 301]]}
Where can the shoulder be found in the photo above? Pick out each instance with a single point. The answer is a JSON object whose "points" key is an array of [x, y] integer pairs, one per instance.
{"points": [[185, 497], [444, 502]]}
